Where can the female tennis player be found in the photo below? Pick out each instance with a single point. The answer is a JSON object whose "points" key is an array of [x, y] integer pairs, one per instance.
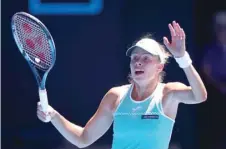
{"points": [[142, 112]]}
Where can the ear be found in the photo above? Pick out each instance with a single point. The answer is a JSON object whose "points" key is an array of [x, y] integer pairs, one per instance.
{"points": [[160, 67]]}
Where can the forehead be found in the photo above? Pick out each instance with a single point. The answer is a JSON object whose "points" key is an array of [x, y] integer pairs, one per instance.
{"points": [[138, 50]]}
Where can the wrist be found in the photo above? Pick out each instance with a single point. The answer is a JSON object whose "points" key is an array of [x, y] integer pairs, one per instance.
{"points": [[53, 115], [184, 61]]}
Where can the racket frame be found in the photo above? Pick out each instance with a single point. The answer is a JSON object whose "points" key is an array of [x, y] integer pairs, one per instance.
{"points": [[40, 81]]}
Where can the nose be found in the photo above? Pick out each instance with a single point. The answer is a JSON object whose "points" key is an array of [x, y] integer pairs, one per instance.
{"points": [[138, 63]]}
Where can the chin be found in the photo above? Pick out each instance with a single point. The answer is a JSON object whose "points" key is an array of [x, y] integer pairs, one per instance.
{"points": [[140, 80]]}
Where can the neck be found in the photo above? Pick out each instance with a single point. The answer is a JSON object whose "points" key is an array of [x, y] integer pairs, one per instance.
{"points": [[142, 91]]}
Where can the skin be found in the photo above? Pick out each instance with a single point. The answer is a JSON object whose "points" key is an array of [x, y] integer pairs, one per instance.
{"points": [[144, 84]]}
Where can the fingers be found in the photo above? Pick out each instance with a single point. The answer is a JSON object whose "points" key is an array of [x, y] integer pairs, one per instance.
{"points": [[182, 34], [44, 119], [166, 42], [176, 31], [172, 31], [43, 116], [179, 30]]}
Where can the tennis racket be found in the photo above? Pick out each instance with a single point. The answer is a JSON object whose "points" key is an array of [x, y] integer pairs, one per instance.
{"points": [[36, 44]]}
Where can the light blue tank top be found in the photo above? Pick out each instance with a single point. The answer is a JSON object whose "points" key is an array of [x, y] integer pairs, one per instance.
{"points": [[141, 124]]}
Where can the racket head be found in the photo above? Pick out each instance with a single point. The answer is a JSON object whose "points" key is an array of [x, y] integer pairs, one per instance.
{"points": [[34, 41]]}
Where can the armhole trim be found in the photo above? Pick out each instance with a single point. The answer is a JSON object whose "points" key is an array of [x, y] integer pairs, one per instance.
{"points": [[160, 107], [122, 97]]}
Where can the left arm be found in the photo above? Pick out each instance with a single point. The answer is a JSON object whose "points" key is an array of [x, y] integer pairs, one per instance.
{"points": [[193, 94], [196, 92], [198, 89]]}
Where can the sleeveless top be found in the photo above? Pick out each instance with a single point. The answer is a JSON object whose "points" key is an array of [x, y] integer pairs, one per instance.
{"points": [[141, 124]]}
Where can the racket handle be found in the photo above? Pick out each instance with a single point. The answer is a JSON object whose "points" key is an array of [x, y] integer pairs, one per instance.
{"points": [[43, 99]]}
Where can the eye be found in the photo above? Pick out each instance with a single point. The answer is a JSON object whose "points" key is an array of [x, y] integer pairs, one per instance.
{"points": [[134, 57], [146, 58]]}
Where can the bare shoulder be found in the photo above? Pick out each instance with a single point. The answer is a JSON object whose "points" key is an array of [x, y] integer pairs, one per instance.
{"points": [[112, 96], [118, 90], [177, 91], [175, 86]]}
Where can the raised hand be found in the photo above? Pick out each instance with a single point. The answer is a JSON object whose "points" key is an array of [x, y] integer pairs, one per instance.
{"points": [[177, 45]]}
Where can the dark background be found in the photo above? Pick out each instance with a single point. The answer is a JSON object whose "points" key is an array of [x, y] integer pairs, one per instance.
{"points": [[91, 59]]}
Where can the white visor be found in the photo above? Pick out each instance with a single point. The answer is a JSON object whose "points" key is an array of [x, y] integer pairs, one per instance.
{"points": [[150, 46]]}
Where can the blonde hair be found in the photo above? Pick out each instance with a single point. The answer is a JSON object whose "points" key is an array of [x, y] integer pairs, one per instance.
{"points": [[167, 55]]}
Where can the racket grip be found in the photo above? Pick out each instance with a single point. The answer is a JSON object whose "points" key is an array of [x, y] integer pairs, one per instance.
{"points": [[43, 99]]}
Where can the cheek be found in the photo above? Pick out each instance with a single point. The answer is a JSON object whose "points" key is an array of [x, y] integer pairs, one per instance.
{"points": [[150, 69], [131, 66], [131, 69]]}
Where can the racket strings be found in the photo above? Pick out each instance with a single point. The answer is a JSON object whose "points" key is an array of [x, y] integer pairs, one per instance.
{"points": [[34, 41]]}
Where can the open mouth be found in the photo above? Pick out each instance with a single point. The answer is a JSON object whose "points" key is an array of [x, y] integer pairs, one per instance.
{"points": [[139, 72]]}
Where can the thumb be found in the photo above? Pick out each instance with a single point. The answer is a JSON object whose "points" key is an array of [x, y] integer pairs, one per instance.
{"points": [[39, 106], [166, 42]]}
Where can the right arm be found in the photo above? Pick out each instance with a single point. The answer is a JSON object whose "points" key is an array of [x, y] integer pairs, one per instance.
{"points": [[95, 127]]}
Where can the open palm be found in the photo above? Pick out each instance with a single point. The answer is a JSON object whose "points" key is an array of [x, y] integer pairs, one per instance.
{"points": [[177, 45]]}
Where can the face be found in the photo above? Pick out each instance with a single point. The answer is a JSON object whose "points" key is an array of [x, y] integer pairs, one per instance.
{"points": [[144, 66]]}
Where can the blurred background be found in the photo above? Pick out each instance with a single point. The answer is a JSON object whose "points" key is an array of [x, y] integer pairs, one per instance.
{"points": [[91, 44]]}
